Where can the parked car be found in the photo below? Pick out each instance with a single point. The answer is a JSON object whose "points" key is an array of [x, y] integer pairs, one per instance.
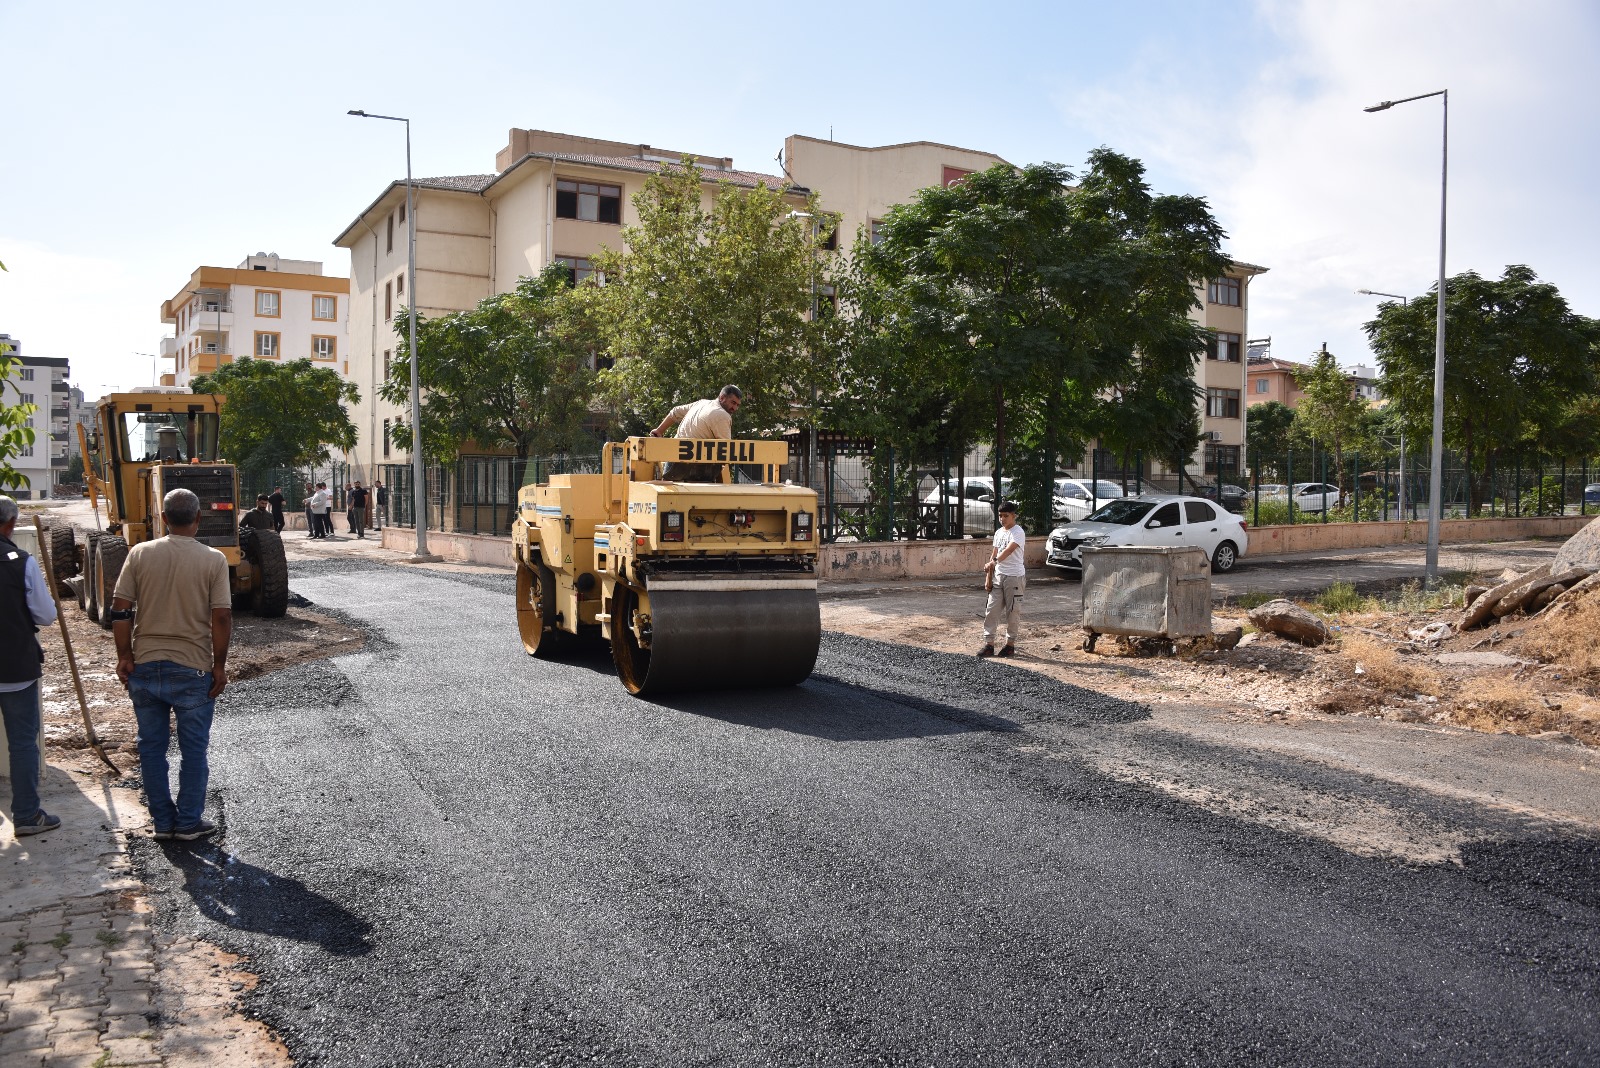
{"points": [[1162, 519], [1308, 496], [977, 515], [1591, 493], [1075, 498], [1231, 497]]}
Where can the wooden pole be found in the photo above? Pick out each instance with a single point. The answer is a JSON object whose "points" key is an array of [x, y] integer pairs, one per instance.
{"points": [[66, 643]]}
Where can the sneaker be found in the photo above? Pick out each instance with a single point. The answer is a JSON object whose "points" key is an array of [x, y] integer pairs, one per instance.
{"points": [[162, 834], [202, 829], [987, 650], [40, 824], [1009, 650]]}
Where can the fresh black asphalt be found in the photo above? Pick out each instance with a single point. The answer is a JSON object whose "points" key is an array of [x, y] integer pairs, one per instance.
{"points": [[442, 852]]}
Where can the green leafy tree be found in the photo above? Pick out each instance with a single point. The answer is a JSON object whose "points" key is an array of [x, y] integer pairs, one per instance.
{"points": [[511, 375], [1062, 308], [1267, 434], [1330, 412], [16, 430], [285, 414], [74, 472], [704, 296], [1516, 358]]}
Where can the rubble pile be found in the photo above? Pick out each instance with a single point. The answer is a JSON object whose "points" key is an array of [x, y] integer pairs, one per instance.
{"points": [[1569, 577]]}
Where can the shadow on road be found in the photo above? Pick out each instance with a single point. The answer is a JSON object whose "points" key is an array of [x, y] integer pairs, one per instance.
{"points": [[244, 897]]}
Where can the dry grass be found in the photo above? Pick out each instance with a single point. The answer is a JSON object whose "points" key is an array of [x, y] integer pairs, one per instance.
{"points": [[1569, 636], [1384, 669]]}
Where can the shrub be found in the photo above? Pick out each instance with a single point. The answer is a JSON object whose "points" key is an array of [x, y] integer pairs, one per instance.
{"points": [[1341, 597]]}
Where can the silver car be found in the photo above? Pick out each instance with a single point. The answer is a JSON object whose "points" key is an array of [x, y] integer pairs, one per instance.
{"points": [[1162, 519]]}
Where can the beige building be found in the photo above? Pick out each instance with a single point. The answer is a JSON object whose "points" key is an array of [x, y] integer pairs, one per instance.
{"points": [[267, 307], [552, 197], [859, 185]]}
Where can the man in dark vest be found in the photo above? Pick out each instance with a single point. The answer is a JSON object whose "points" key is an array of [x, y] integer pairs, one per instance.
{"points": [[25, 606]]}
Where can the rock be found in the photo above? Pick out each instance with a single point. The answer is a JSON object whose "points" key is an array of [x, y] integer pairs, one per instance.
{"points": [[1579, 590], [1227, 639], [1581, 550], [1472, 593], [1249, 639], [1544, 598], [1522, 595], [1291, 621], [1485, 604], [1484, 659]]}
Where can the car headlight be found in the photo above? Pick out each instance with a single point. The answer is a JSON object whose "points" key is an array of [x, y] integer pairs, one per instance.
{"points": [[1096, 539]]}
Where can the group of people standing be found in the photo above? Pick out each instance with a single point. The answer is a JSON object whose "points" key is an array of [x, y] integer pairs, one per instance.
{"points": [[364, 508]]}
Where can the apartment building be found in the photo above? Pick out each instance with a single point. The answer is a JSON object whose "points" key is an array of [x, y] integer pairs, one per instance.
{"points": [[860, 184], [42, 382], [1279, 380], [552, 197], [267, 307]]}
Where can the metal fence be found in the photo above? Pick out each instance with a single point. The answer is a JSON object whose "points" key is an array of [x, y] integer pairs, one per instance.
{"points": [[868, 493]]}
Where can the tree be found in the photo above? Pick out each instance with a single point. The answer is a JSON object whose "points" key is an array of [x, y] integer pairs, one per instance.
{"points": [[1330, 411], [1267, 430], [1065, 308], [510, 375], [281, 414], [704, 297], [1517, 356], [16, 429]]}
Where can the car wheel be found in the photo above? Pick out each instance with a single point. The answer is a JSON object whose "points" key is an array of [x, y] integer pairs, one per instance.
{"points": [[1224, 558]]}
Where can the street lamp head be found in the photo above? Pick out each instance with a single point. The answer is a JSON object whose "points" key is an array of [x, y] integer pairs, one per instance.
{"points": [[1385, 106], [363, 114]]}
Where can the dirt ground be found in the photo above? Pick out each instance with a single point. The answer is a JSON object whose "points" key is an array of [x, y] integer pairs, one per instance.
{"points": [[259, 646], [1541, 676]]}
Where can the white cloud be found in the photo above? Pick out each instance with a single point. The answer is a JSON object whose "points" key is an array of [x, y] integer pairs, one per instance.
{"points": [[1333, 199]]}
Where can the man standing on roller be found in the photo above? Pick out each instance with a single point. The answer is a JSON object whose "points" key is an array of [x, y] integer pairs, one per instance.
{"points": [[702, 419]]}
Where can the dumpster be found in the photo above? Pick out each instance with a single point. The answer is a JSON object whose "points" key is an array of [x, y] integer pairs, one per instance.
{"points": [[1146, 591]]}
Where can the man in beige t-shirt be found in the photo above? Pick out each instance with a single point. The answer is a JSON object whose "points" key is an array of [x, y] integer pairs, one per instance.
{"points": [[172, 653], [702, 419]]}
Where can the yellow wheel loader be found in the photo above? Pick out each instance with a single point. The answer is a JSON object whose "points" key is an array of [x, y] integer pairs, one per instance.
{"points": [[144, 444], [702, 578]]}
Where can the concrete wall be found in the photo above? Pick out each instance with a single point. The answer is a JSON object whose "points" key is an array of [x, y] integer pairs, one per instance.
{"points": [[1311, 537]]}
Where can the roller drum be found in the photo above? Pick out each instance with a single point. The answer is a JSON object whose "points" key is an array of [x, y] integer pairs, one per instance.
{"points": [[764, 634]]}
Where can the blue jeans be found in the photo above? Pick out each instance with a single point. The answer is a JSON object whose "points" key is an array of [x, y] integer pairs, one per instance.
{"points": [[163, 692], [21, 709]]}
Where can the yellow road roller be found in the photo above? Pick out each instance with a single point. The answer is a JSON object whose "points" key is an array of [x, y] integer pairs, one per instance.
{"points": [[686, 554]]}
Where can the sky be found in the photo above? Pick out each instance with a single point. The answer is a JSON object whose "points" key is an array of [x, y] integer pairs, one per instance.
{"points": [[142, 141]]}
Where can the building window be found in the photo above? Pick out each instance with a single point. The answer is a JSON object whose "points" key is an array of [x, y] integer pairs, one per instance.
{"points": [[322, 348], [1222, 460], [386, 365], [266, 346], [400, 288], [953, 176], [1222, 403], [1223, 347], [589, 202], [828, 232], [580, 269], [27, 398], [27, 374], [388, 301], [386, 431], [325, 308], [1224, 291], [267, 303], [27, 450], [390, 246], [402, 213], [877, 231], [1261, 385]]}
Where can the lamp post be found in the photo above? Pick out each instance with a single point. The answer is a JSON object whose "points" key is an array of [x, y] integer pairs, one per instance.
{"points": [[1403, 302], [1436, 468], [419, 497], [811, 466], [155, 367]]}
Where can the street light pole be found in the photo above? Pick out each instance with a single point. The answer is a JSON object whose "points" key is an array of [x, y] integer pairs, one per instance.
{"points": [[1403, 302], [811, 466], [1436, 469], [419, 497]]}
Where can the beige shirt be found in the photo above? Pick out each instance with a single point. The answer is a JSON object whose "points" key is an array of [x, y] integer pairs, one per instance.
{"points": [[174, 583], [703, 419]]}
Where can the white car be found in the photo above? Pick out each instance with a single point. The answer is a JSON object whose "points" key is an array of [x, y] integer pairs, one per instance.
{"points": [[1075, 498], [1153, 520], [977, 513], [1308, 496]]}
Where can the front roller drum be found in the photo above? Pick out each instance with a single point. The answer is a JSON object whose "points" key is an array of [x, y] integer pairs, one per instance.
{"points": [[536, 610], [716, 639]]}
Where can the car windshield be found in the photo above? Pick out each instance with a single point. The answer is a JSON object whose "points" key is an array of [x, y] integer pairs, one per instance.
{"points": [[1124, 512]]}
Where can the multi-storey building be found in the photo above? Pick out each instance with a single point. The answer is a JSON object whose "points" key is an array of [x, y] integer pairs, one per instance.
{"points": [[859, 185], [1279, 380], [42, 382], [553, 197], [267, 307]]}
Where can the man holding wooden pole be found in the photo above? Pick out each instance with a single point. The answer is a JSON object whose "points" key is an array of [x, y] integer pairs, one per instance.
{"points": [[25, 606]]}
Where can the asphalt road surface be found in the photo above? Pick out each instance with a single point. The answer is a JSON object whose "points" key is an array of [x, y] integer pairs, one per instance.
{"points": [[442, 852]]}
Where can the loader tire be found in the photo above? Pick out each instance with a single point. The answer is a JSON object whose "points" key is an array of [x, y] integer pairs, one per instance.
{"points": [[88, 592], [112, 553], [272, 596], [63, 552]]}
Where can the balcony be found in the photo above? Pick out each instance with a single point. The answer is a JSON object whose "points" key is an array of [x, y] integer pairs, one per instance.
{"points": [[169, 348], [209, 322]]}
